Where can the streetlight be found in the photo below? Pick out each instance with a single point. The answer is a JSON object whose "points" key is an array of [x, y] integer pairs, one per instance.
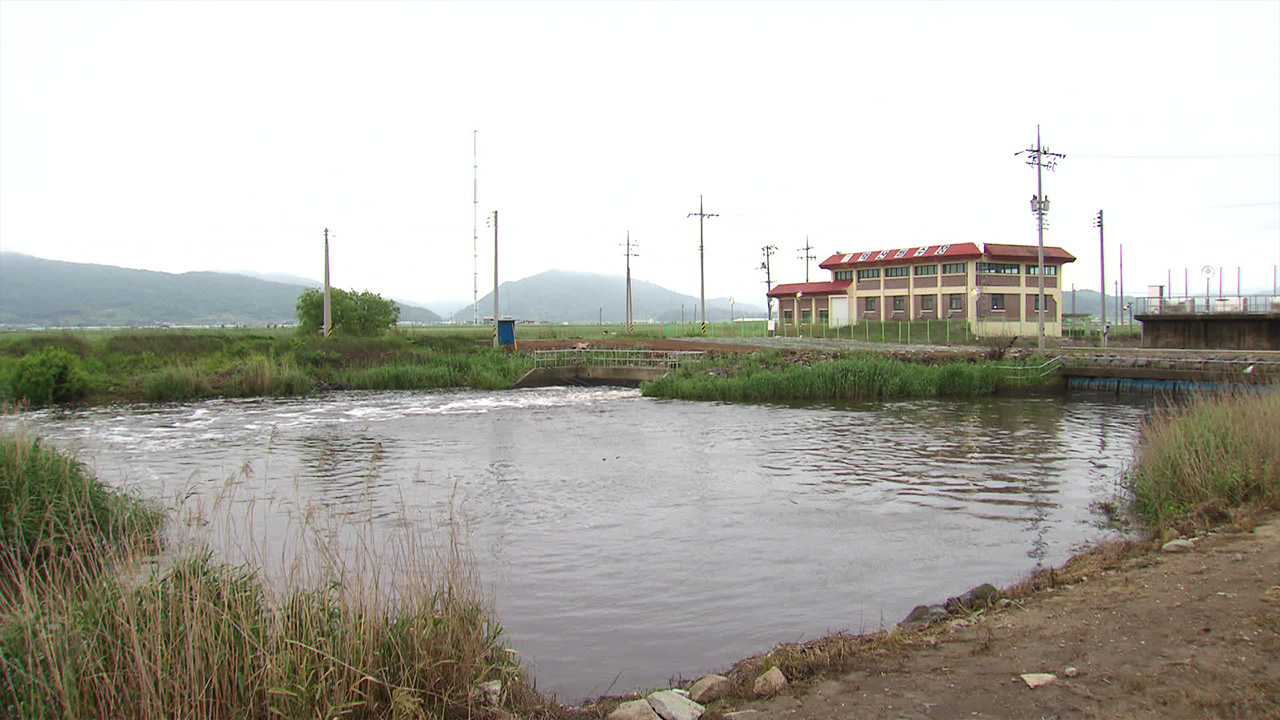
{"points": [[799, 294]]}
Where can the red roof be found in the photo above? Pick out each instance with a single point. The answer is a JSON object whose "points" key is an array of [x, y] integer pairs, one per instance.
{"points": [[810, 288], [897, 256], [1028, 252]]}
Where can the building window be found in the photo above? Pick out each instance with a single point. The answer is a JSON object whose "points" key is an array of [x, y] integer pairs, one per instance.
{"points": [[926, 270], [822, 317], [786, 316], [805, 317], [901, 271], [844, 274], [997, 302], [1048, 270], [869, 274], [898, 303], [954, 268], [957, 301], [999, 268], [871, 304], [926, 303]]}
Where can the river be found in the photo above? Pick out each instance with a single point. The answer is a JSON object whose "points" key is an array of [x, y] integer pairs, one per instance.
{"points": [[628, 540]]}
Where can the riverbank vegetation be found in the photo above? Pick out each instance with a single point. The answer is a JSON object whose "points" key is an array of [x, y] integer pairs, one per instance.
{"points": [[181, 365], [1220, 448], [773, 377], [86, 632]]}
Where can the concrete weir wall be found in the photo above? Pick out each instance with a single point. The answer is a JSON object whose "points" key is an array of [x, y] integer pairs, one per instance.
{"points": [[589, 375], [1222, 331]]}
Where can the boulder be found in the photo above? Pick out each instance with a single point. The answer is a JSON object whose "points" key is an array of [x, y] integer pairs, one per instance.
{"points": [[982, 596], [1035, 680], [771, 683], [491, 692], [671, 705], [924, 615], [634, 710], [710, 688], [1178, 546]]}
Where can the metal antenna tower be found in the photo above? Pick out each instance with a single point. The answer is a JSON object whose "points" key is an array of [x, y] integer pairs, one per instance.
{"points": [[702, 263], [806, 255], [1041, 158], [768, 277], [631, 318], [475, 229]]}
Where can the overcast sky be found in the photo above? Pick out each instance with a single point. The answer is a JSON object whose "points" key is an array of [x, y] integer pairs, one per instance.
{"points": [[183, 136]]}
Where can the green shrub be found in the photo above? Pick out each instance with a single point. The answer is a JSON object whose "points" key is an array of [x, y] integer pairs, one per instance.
{"points": [[49, 376]]}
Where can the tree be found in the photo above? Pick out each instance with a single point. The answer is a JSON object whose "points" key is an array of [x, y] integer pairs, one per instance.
{"points": [[353, 313]]}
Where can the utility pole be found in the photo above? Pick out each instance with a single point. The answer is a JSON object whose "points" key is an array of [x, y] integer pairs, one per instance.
{"points": [[328, 318], [768, 277], [1041, 158], [475, 229], [702, 263], [1120, 292], [806, 255], [631, 319], [495, 278], [1102, 263]]}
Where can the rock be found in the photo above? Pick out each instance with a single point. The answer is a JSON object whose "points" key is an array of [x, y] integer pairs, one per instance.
{"points": [[671, 705], [742, 715], [1071, 672], [634, 710], [1035, 680], [979, 597], [1178, 546], [924, 615], [710, 688], [1005, 602], [491, 692], [771, 683]]}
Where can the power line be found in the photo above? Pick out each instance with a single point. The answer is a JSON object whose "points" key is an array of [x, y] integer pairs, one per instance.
{"points": [[1179, 157]]}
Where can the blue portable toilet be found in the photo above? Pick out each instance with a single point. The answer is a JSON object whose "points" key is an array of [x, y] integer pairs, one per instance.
{"points": [[507, 333]]}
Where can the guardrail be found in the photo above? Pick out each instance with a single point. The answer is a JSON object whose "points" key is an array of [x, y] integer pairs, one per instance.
{"points": [[614, 358]]}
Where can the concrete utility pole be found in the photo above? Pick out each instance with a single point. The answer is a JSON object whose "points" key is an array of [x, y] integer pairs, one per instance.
{"points": [[1102, 264], [1041, 158], [328, 324], [495, 278], [768, 277], [702, 264], [1120, 292], [475, 228], [631, 318], [806, 254]]}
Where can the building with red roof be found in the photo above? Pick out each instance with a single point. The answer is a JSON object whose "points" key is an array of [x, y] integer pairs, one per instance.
{"points": [[994, 288]]}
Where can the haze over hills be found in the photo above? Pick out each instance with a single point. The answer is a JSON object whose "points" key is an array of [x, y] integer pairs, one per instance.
{"points": [[53, 293], [581, 297]]}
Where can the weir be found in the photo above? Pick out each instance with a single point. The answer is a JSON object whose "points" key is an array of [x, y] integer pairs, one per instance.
{"points": [[583, 366]]}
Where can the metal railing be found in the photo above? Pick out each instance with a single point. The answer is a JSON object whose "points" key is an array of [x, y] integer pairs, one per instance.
{"points": [[1202, 304], [1032, 372], [614, 358]]}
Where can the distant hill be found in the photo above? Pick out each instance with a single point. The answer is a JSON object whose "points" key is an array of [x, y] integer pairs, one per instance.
{"points": [[580, 297], [52, 293]]}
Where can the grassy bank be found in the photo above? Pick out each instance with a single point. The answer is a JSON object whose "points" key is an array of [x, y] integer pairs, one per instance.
{"points": [[180, 365], [1223, 448], [771, 377], [82, 635]]}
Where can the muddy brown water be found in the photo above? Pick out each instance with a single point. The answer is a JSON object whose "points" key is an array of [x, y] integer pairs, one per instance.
{"points": [[628, 540]]}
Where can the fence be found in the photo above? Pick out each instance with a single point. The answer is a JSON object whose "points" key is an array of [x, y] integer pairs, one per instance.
{"points": [[614, 358], [1204, 304]]}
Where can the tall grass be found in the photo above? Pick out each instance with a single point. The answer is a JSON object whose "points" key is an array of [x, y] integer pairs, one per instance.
{"points": [[857, 377], [1220, 447], [348, 631]]}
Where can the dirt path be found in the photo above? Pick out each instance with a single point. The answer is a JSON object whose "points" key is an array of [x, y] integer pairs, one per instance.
{"points": [[1160, 636]]}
